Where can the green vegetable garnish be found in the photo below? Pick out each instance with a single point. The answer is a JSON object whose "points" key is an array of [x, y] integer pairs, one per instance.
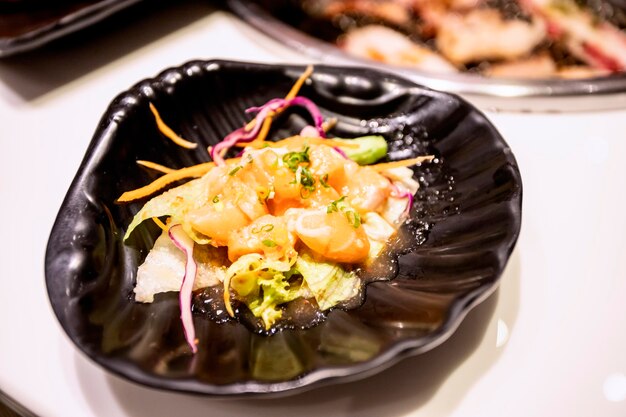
{"points": [[269, 243], [306, 179], [263, 285], [234, 171], [353, 217], [370, 150], [329, 282], [324, 181], [265, 228], [294, 159], [336, 205], [305, 193]]}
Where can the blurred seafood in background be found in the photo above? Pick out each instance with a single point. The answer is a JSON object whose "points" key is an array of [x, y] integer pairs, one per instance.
{"points": [[498, 38], [386, 45]]}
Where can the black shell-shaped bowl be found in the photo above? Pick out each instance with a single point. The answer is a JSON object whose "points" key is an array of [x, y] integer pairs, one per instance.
{"points": [[466, 216]]}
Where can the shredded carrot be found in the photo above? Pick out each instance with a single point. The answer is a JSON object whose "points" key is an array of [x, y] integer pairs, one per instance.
{"points": [[267, 123], [165, 180], [265, 129], [160, 224], [250, 125], [168, 132], [297, 139], [258, 145], [200, 169], [333, 142], [404, 163], [227, 303], [162, 182], [155, 166], [329, 124], [298, 84], [326, 126]]}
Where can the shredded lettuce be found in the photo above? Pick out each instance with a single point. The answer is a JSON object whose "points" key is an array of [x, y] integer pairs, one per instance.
{"points": [[275, 291], [263, 285], [329, 282], [402, 178], [273, 358], [175, 203]]}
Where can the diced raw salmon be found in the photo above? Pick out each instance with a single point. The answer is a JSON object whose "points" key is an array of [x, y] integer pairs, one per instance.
{"points": [[217, 220], [321, 197], [325, 161], [267, 235], [245, 197], [332, 235], [365, 188]]}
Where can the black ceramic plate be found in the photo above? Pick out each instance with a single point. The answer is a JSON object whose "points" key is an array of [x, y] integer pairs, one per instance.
{"points": [[468, 212], [26, 25]]}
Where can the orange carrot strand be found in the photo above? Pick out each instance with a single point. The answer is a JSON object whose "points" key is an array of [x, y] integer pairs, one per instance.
{"points": [[168, 132], [404, 163], [160, 223], [155, 166]]}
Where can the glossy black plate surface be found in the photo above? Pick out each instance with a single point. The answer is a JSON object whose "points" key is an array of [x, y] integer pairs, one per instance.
{"points": [[470, 204], [26, 25]]}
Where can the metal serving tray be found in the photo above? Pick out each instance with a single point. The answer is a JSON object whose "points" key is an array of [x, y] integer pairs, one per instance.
{"points": [[554, 95]]}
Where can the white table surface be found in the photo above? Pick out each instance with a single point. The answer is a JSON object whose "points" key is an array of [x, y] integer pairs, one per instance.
{"points": [[550, 342]]}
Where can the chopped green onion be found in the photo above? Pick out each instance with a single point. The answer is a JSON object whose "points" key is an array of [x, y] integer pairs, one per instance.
{"points": [[269, 243], [324, 181], [305, 193], [262, 194], [353, 217], [216, 199], [234, 171], [265, 228], [306, 179], [332, 207], [294, 159]]}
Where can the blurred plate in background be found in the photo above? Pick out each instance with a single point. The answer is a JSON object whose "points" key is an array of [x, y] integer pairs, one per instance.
{"points": [[29, 24], [284, 21]]}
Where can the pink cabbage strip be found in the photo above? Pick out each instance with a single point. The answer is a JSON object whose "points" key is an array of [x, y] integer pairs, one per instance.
{"points": [[242, 135], [402, 194], [340, 152], [185, 244]]}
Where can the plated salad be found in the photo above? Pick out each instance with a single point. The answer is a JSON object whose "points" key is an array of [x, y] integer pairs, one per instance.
{"points": [[283, 225]]}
